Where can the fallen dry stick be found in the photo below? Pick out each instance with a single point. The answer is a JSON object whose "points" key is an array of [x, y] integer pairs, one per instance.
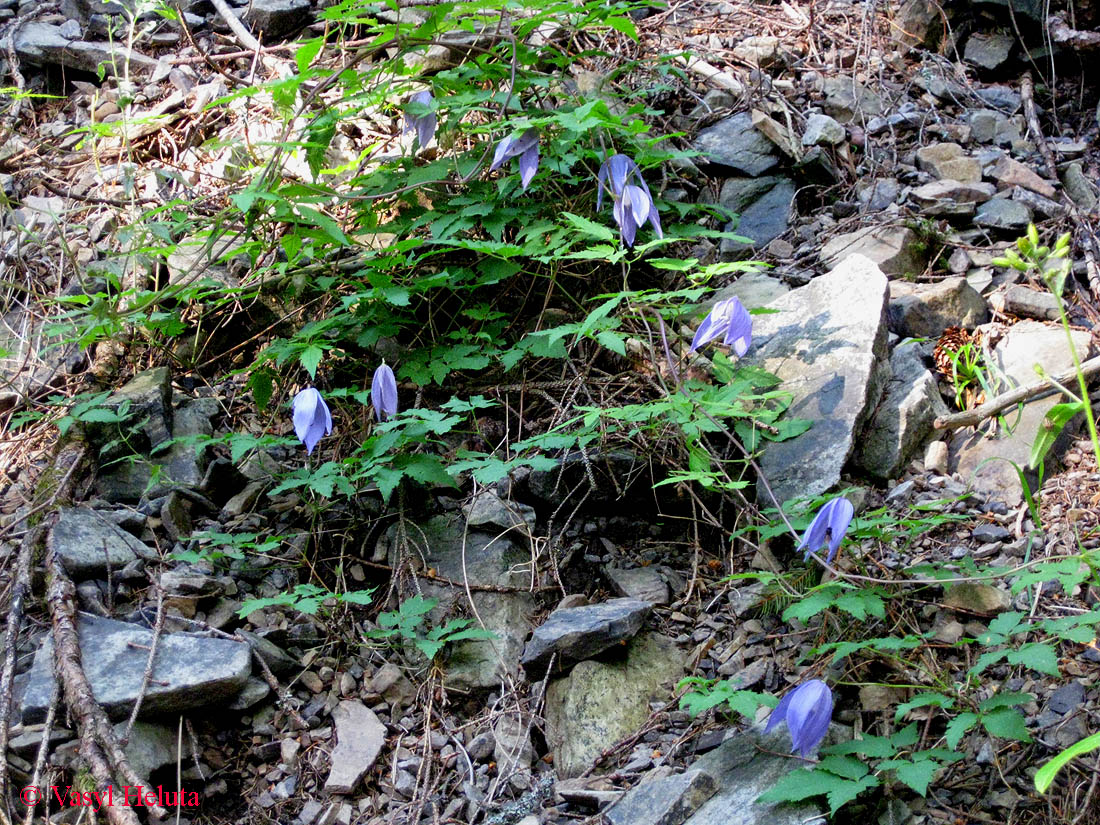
{"points": [[98, 743], [1007, 399]]}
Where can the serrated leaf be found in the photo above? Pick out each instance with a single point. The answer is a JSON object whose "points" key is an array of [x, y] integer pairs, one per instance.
{"points": [[847, 766], [1037, 656], [1007, 723], [1004, 699], [923, 700], [310, 358], [590, 228], [877, 747], [958, 727], [841, 796], [917, 774], [802, 784]]}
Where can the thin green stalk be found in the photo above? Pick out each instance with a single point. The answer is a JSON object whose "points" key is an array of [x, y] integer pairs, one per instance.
{"points": [[1080, 381]]}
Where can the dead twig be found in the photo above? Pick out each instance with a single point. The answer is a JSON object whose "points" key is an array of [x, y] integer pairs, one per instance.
{"points": [[237, 27], [147, 676], [98, 743], [67, 461], [969, 418]]}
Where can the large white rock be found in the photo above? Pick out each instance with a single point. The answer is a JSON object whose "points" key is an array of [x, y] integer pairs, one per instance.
{"points": [[983, 457], [827, 343]]}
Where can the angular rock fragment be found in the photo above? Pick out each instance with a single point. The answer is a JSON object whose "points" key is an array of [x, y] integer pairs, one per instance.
{"points": [[89, 543], [359, 739], [666, 801], [191, 671], [827, 344], [576, 633]]}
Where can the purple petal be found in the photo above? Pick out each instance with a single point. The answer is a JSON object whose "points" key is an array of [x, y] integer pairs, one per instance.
{"points": [[619, 167], [525, 141], [840, 516], [501, 154], [528, 165], [780, 713], [639, 202], [831, 522], [383, 393], [425, 129], [707, 332], [311, 418], [739, 329], [654, 218], [808, 715]]}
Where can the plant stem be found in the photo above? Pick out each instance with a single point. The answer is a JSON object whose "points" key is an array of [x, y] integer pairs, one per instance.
{"points": [[1080, 381]]}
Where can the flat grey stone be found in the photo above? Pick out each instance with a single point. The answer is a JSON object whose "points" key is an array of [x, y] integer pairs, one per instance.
{"points": [[1078, 186], [1000, 97], [845, 99], [147, 397], [489, 509], [822, 130], [986, 533], [1024, 302], [1067, 698], [666, 801], [359, 739], [926, 310], [893, 249], [735, 143], [43, 44], [89, 543], [762, 221], [745, 766], [903, 419], [275, 18], [646, 584], [600, 703], [151, 746], [988, 50], [754, 289], [191, 671], [482, 557], [577, 633], [974, 597], [827, 344]]}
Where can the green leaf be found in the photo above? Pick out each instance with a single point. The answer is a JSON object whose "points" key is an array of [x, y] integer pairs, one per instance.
{"points": [[957, 727], [847, 766], [917, 774], [1037, 656], [590, 228], [1007, 723], [1004, 699], [1051, 427], [843, 795], [426, 469], [310, 358], [306, 52], [877, 747], [923, 700], [262, 386], [1045, 775]]}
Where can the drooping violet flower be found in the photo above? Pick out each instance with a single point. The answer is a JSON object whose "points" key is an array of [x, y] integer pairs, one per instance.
{"points": [[807, 711], [525, 146], [423, 125], [830, 524], [383, 393], [728, 320], [311, 418], [631, 198]]}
